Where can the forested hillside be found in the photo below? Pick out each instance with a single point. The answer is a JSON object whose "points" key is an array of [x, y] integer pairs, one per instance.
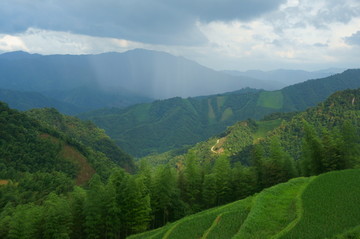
{"points": [[38, 159], [85, 132], [237, 142], [170, 124], [116, 204]]}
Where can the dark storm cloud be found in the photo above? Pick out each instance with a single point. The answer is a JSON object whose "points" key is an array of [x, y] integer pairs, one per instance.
{"points": [[150, 21], [354, 39]]}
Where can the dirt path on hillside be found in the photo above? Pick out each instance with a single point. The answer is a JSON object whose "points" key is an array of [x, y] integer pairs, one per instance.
{"points": [[212, 148]]}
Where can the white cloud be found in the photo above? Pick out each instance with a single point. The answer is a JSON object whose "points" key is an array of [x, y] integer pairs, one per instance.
{"points": [[303, 34], [300, 33], [11, 43], [54, 42]]}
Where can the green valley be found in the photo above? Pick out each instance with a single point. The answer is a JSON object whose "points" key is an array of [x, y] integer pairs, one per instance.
{"points": [[170, 124]]}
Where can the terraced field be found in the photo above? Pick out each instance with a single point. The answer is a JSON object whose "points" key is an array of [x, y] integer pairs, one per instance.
{"points": [[325, 206], [271, 99]]}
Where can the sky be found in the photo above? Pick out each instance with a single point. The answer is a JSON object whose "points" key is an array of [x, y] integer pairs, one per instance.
{"points": [[220, 34]]}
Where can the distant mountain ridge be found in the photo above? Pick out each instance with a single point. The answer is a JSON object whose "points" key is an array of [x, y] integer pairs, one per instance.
{"points": [[286, 77], [89, 82], [26, 100], [115, 79], [169, 124]]}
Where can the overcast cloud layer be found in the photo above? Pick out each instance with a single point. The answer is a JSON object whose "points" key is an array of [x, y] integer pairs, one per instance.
{"points": [[221, 34]]}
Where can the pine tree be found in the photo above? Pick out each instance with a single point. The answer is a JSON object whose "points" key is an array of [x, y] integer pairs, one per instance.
{"points": [[192, 183], [165, 196], [222, 174], [94, 209], [17, 224], [312, 158], [24, 221], [209, 191], [77, 201], [257, 157], [243, 181], [57, 218], [331, 155], [117, 198], [112, 212], [349, 144], [136, 207]]}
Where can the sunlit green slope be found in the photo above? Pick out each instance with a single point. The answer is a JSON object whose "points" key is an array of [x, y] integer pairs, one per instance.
{"points": [[321, 206]]}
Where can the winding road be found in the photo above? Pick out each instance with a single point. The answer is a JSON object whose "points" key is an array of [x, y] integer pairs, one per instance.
{"points": [[212, 148]]}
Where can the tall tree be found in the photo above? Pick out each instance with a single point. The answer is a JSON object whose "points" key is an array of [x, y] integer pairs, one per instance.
{"points": [[136, 207], [243, 181], [209, 191], [257, 157], [57, 218], [77, 201], [222, 174], [312, 151], [165, 196], [117, 198], [332, 158], [350, 144], [94, 209], [192, 183]]}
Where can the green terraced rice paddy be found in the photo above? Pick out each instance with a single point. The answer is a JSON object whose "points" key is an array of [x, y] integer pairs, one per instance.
{"points": [[331, 205], [325, 206]]}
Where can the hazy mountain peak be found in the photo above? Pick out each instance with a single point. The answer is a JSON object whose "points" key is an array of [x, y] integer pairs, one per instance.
{"points": [[18, 55], [286, 76]]}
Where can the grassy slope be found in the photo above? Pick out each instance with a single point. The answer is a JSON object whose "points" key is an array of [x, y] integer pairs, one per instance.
{"points": [[197, 225], [271, 99], [227, 225], [265, 126], [338, 193], [315, 207], [273, 210]]}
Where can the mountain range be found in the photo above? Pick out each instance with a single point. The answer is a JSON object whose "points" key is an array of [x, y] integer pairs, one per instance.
{"points": [[286, 77], [170, 124], [89, 82], [122, 85]]}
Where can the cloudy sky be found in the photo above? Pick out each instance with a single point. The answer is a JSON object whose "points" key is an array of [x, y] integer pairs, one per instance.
{"points": [[220, 34]]}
